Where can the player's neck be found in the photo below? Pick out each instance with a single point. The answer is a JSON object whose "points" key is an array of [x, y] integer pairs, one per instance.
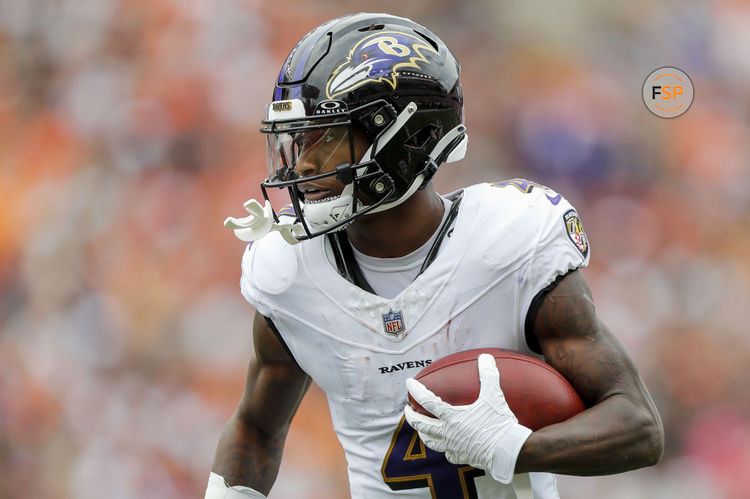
{"points": [[400, 230]]}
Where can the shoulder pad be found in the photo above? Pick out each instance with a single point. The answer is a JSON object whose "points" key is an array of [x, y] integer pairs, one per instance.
{"points": [[270, 265]]}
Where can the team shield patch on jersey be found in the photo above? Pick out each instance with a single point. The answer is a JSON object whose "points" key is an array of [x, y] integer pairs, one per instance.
{"points": [[574, 228], [393, 322]]}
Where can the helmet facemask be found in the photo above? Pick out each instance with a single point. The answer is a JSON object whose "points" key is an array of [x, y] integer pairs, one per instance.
{"points": [[300, 148], [304, 154]]}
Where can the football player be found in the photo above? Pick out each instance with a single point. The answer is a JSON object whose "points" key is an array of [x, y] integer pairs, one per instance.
{"points": [[368, 275]]}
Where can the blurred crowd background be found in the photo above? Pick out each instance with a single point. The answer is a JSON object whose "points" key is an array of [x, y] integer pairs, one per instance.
{"points": [[128, 132]]}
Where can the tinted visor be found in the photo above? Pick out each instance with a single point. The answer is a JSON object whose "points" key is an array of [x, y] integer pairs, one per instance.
{"points": [[304, 148]]}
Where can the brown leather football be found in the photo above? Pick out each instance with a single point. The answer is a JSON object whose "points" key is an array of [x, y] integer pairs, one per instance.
{"points": [[536, 392]]}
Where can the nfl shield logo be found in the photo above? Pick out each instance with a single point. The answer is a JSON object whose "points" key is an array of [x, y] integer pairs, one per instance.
{"points": [[393, 322]]}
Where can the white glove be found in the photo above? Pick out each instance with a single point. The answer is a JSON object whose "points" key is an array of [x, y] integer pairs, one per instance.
{"points": [[218, 489], [485, 434]]}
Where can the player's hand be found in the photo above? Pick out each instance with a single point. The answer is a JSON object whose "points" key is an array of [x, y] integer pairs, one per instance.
{"points": [[485, 434]]}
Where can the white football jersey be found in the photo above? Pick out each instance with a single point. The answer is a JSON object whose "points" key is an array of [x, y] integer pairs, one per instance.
{"points": [[509, 241]]}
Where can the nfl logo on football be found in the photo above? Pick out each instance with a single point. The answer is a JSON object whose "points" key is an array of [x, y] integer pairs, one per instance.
{"points": [[393, 322]]}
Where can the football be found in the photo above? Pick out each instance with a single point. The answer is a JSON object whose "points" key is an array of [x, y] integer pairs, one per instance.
{"points": [[536, 392]]}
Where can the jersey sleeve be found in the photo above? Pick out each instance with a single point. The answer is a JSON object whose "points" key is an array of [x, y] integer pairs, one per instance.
{"points": [[562, 246], [249, 290], [269, 267]]}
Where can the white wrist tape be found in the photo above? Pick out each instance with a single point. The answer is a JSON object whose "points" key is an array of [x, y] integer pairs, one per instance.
{"points": [[218, 489], [505, 455]]}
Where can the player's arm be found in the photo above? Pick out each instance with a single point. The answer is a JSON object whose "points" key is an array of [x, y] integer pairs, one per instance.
{"points": [[621, 430], [250, 448]]}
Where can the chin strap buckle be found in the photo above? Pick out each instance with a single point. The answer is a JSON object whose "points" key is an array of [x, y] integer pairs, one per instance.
{"points": [[345, 173], [260, 222]]}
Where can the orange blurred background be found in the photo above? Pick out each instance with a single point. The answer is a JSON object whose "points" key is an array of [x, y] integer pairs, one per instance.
{"points": [[128, 132]]}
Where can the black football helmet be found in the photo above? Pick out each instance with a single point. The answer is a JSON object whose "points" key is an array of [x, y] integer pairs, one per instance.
{"points": [[381, 75]]}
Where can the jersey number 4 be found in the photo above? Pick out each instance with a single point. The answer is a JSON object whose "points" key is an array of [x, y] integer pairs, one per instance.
{"points": [[409, 464]]}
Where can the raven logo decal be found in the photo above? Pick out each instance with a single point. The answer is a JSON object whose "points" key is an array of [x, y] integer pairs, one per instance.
{"points": [[378, 58]]}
